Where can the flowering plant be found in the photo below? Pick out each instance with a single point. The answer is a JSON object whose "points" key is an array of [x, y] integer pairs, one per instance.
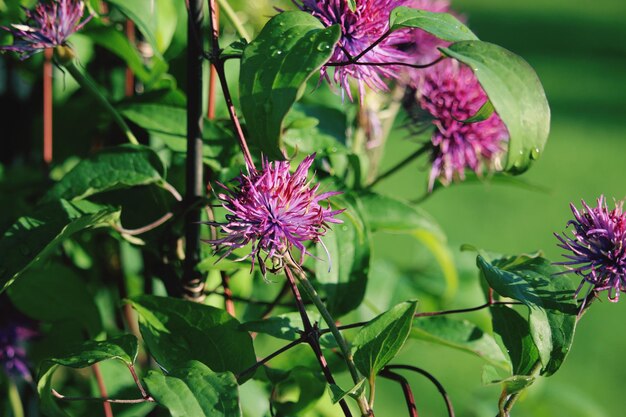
{"points": [[256, 251]]}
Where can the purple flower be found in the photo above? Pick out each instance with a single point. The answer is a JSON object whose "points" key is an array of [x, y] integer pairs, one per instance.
{"points": [[275, 211], [12, 354], [450, 93], [362, 28], [48, 26], [598, 247]]}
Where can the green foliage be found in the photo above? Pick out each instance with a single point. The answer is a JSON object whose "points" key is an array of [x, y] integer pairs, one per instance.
{"points": [[442, 25], [380, 340], [194, 390], [274, 69], [177, 331], [515, 92]]}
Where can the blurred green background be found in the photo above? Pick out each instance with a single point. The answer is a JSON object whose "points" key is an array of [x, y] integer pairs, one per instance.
{"points": [[579, 50]]}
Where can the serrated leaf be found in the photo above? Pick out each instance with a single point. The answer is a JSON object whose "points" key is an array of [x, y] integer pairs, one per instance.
{"points": [[275, 67], [177, 331], [123, 348], [442, 25], [515, 92], [549, 297], [194, 390], [31, 238], [337, 394], [344, 280], [56, 293], [459, 334], [111, 169], [381, 339]]}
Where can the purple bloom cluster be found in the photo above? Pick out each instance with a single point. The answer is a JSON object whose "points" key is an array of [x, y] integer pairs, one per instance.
{"points": [[362, 28], [450, 93], [274, 210], [12, 354], [598, 247], [48, 26]]}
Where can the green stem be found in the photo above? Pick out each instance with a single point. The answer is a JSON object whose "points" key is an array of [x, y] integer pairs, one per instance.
{"points": [[234, 19], [88, 84], [508, 405], [14, 399], [343, 346]]}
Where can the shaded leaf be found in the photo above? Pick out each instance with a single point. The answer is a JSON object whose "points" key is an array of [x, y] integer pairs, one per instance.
{"points": [[515, 333], [337, 394]]}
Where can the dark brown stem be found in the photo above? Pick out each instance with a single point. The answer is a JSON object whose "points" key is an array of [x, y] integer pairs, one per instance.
{"points": [[47, 106], [108, 411], [268, 358], [219, 68], [193, 282], [432, 379], [213, 73], [311, 335], [131, 368], [386, 64], [406, 390], [372, 46]]}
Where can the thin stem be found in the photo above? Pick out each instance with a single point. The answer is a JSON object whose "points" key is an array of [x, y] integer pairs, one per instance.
{"points": [[234, 20], [228, 294], [406, 390], [385, 64], [311, 335], [508, 405], [213, 77], [219, 68], [432, 379], [144, 229], [268, 358], [106, 401], [343, 346], [90, 86], [15, 401], [372, 46], [401, 164], [47, 106], [108, 411], [193, 282], [131, 368]]}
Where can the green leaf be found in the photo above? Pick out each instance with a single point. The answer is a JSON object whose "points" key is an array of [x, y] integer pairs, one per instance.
{"points": [[275, 67], [337, 394], [284, 326], [459, 334], [31, 238], [111, 169], [515, 334], [510, 385], [177, 331], [56, 293], [352, 5], [344, 279], [309, 383], [194, 390], [123, 348], [381, 339], [442, 25], [387, 214], [484, 113], [549, 297], [515, 92]]}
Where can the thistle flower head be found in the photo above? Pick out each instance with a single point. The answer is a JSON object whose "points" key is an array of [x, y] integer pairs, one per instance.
{"points": [[597, 247], [360, 29], [49, 25], [450, 93], [12, 354], [274, 211]]}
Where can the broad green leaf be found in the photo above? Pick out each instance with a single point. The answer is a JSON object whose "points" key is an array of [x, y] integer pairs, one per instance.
{"points": [[123, 348], [516, 338], [381, 339], [549, 297], [515, 92], [387, 214], [177, 331], [284, 326], [31, 238], [194, 390], [343, 277], [337, 394], [442, 25], [114, 168], [459, 334], [484, 113], [275, 67], [55, 293]]}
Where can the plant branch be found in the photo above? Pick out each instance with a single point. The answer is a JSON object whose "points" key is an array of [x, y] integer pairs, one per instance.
{"points": [[432, 379], [144, 229], [372, 46], [193, 282], [406, 161], [385, 64], [406, 390], [108, 411], [107, 401], [47, 106], [268, 358], [228, 294]]}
